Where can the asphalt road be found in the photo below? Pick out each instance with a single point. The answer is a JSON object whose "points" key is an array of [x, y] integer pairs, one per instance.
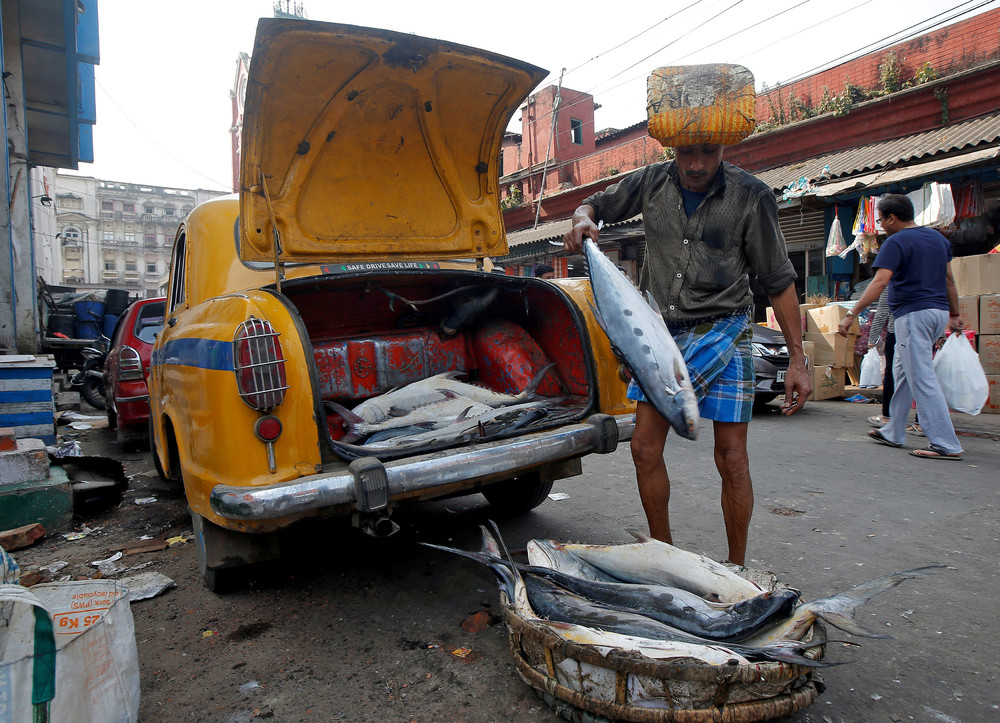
{"points": [[347, 627]]}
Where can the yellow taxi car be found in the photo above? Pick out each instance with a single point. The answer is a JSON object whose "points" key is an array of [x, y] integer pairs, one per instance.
{"points": [[352, 268]]}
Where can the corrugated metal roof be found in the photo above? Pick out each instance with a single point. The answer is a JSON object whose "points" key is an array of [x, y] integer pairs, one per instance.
{"points": [[552, 231], [981, 131]]}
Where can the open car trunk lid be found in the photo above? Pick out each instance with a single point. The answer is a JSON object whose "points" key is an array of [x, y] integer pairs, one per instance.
{"points": [[368, 145]]}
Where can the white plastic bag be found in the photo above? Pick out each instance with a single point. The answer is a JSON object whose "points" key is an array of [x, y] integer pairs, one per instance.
{"points": [[68, 649], [871, 369], [961, 375], [835, 241], [933, 205]]}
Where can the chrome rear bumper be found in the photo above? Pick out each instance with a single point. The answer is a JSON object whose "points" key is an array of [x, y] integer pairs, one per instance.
{"points": [[475, 464]]}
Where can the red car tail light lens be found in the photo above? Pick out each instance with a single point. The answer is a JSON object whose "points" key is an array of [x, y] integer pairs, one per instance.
{"points": [[129, 364], [259, 365]]}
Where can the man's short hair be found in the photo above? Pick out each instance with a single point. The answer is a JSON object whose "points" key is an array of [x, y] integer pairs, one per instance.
{"points": [[544, 269], [896, 204]]}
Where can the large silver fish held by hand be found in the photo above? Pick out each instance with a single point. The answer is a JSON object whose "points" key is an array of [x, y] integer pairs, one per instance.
{"points": [[638, 332]]}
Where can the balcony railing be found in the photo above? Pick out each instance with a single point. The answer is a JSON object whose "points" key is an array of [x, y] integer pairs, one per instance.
{"points": [[109, 275], [150, 217], [131, 275]]}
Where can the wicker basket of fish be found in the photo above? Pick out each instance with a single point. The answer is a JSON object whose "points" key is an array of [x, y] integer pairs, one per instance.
{"points": [[649, 632]]}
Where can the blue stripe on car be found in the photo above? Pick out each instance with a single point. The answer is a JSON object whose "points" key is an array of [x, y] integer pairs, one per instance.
{"points": [[198, 353]]}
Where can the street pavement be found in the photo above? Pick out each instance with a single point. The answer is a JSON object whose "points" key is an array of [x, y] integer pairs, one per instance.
{"points": [[351, 628]]}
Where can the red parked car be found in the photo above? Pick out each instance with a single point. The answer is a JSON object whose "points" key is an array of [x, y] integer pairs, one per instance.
{"points": [[125, 371]]}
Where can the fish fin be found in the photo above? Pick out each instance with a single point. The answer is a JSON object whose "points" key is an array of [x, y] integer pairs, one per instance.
{"points": [[652, 302], [346, 414], [448, 393], [505, 579], [598, 318], [839, 609], [506, 553], [788, 652], [398, 412], [463, 416]]}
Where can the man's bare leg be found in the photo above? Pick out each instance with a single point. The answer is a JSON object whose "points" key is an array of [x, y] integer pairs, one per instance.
{"points": [[648, 440], [733, 464]]}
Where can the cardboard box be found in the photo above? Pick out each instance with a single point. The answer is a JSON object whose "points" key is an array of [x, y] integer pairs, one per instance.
{"points": [[992, 405], [976, 275], [989, 353], [826, 319], [988, 317], [832, 349], [809, 350], [968, 307], [828, 383], [772, 320]]}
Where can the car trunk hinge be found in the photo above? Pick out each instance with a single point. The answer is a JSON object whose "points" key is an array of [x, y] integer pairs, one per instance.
{"points": [[278, 272]]}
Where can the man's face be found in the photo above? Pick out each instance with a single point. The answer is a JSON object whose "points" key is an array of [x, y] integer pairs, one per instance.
{"points": [[549, 275], [698, 165]]}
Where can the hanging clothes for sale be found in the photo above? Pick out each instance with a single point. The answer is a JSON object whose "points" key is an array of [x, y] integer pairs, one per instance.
{"points": [[969, 200]]}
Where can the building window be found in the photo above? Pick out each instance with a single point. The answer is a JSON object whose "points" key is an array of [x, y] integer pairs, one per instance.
{"points": [[128, 207], [151, 239], [168, 211], [150, 268], [69, 202], [109, 265], [130, 266], [71, 234], [129, 237], [107, 205], [109, 235], [576, 131], [148, 209]]}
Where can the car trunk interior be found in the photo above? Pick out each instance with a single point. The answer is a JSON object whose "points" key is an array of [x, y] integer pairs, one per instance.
{"points": [[376, 332]]}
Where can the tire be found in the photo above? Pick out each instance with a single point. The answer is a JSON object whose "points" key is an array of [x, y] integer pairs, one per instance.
{"points": [[152, 451], [92, 391], [519, 495]]}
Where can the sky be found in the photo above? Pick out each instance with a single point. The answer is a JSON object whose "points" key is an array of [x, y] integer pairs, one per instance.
{"points": [[167, 68]]}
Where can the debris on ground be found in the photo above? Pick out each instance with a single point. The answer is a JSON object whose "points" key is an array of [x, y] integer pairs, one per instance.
{"points": [[21, 537], [147, 585]]}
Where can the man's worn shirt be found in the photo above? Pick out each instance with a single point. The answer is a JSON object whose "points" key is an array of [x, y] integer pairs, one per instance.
{"points": [[699, 267]]}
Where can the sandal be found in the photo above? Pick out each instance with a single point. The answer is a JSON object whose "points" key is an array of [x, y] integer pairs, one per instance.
{"points": [[876, 434], [915, 429], [931, 453], [878, 420]]}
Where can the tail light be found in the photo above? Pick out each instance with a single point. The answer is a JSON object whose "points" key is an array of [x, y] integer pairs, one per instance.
{"points": [[259, 365], [129, 364]]}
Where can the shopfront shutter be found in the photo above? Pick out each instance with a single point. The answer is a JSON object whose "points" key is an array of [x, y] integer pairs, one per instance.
{"points": [[804, 229]]}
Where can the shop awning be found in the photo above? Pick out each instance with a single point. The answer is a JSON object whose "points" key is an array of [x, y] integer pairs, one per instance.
{"points": [[894, 175], [949, 144]]}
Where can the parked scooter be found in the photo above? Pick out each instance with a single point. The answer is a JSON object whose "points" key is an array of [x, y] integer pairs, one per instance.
{"points": [[90, 379]]}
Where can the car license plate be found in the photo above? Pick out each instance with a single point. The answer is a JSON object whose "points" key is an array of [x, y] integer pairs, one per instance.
{"points": [[779, 377]]}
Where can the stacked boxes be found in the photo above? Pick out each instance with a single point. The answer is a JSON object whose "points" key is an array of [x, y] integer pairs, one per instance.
{"points": [[978, 281], [829, 353]]}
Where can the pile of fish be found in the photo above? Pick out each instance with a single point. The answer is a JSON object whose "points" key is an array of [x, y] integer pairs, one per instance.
{"points": [[665, 603], [441, 411]]}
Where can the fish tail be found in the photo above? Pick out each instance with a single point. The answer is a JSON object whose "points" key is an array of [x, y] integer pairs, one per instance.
{"points": [[787, 653], [531, 391], [346, 414], [506, 580], [839, 610], [506, 553]]}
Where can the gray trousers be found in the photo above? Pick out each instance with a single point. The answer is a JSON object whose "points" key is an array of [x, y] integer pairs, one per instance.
{"points": [[913, 375]]}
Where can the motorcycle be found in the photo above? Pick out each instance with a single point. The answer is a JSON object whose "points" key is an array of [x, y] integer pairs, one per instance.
{"points": [[90, 378]]}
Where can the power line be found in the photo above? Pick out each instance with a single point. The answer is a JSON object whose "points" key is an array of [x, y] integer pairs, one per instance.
{"points": [[148, 137]]}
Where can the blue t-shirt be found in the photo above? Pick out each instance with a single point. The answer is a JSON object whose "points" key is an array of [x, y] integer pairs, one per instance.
{"points": [[918, 258], [692, 199]]}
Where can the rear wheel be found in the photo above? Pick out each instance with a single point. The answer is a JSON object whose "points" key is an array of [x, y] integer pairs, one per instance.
{"points": [[93, 391], [152, 451], [518, 495]]}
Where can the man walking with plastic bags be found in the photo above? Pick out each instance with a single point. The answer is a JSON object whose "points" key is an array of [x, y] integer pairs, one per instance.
{"points": [[914, 263]]}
